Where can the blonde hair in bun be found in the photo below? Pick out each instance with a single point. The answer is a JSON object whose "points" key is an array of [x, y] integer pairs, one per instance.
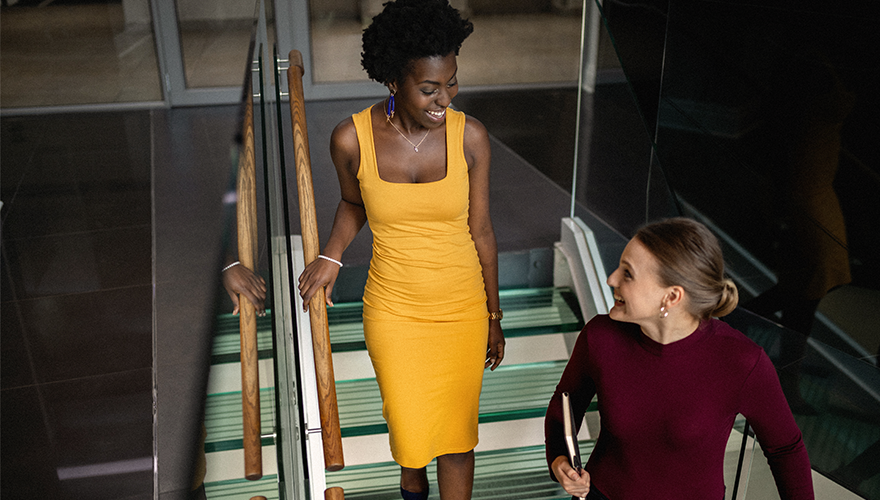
{"points": [[728, 300]]}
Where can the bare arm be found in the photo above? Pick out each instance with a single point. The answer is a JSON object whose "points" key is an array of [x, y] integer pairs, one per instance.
{"points": [[350, 214], [478, 155]]}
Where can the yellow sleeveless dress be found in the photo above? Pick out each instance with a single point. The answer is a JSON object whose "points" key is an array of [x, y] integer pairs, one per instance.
{"points": [[425, 317]]}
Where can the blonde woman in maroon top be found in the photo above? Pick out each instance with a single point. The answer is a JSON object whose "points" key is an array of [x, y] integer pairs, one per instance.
{"points": [[671, 379]]}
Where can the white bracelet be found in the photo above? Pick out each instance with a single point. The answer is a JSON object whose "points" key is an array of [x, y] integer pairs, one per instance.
{"points": [[331, 260], [229, 266]]}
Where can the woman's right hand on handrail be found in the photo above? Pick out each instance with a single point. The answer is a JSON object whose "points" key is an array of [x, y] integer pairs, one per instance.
{"points": [[319, 273], [574, 482]]}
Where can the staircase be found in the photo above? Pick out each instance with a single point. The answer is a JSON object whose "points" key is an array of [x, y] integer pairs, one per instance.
{"points": [[509, 459]]}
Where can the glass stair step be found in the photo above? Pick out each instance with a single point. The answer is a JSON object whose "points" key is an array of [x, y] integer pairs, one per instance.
{"points": [[527, 311], [223, 420], [238, 489], [227, 338], [509, 393], [511, 474]]}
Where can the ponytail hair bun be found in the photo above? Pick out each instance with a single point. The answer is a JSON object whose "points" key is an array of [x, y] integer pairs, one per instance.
{"points": [[728, 300]]}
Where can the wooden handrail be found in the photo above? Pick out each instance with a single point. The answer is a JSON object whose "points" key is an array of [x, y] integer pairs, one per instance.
{"points": [[334, 493], [330, 433], [246, 216]]}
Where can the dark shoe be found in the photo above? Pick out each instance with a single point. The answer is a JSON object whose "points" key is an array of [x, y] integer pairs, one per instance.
{"points": [[198, 493], [409, 495]]}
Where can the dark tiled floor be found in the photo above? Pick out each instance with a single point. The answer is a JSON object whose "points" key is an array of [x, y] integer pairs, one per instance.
{"points": [[77, 307], [81, 301]]}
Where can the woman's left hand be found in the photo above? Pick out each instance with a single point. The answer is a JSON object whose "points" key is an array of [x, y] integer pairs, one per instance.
{"points": [[319, 274], [495, 350], [241, 280]]}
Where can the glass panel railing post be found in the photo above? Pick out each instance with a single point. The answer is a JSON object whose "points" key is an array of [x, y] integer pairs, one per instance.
{"points": [[589, 50], [739, 463], [293, 478]]}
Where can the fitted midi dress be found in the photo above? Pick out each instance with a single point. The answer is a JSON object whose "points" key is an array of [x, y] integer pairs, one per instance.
{"points": [[425, 316]]}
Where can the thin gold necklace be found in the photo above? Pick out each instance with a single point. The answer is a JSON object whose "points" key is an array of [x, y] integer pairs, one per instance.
{"points": [[415, 146]]}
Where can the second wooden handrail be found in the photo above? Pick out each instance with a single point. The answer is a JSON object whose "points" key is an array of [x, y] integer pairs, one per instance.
{"points": [[246, 217], [330, 432]]}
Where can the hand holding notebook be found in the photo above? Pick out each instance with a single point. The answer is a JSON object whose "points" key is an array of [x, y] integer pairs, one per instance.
{"points": [[570, 430]]}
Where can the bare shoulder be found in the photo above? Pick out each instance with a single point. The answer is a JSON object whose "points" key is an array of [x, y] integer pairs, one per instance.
{"points": [[344, 149], [475, 130], [344, 135], [476, 141]]}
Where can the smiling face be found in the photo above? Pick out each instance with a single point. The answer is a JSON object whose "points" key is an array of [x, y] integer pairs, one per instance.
{"points": [[638, 293], [426, 90]]}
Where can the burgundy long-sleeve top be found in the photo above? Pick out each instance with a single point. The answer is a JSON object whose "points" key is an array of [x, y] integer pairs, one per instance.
{"points": [[667, 411]]}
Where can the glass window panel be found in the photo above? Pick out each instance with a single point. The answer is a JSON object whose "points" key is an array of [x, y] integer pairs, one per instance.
{"points": [[513, 42], [68, 52], [214, 38]]}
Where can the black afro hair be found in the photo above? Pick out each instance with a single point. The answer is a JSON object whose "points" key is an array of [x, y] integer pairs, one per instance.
{"points": [[407, 30]]}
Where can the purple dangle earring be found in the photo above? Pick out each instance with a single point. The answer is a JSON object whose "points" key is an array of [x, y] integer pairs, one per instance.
{"points": [[389, 107]]}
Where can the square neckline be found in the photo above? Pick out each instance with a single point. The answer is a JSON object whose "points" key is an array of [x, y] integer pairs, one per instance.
{"points": [[376, 160]]}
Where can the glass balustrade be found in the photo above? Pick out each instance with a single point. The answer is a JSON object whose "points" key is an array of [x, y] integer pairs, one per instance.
{"points": [[835, 399], [757, 121]]}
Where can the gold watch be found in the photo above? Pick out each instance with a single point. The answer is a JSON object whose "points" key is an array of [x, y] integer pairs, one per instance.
{"points": [[496, 315]]}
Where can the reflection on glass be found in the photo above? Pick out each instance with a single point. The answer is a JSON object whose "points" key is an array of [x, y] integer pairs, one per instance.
{"points": [[760, 122], [77, 53], [518, 42], [214, 38], [761, 130], [231, 468]]}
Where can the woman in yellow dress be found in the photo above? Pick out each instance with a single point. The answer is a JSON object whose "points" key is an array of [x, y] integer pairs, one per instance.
{"points": [[418, 171]]}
